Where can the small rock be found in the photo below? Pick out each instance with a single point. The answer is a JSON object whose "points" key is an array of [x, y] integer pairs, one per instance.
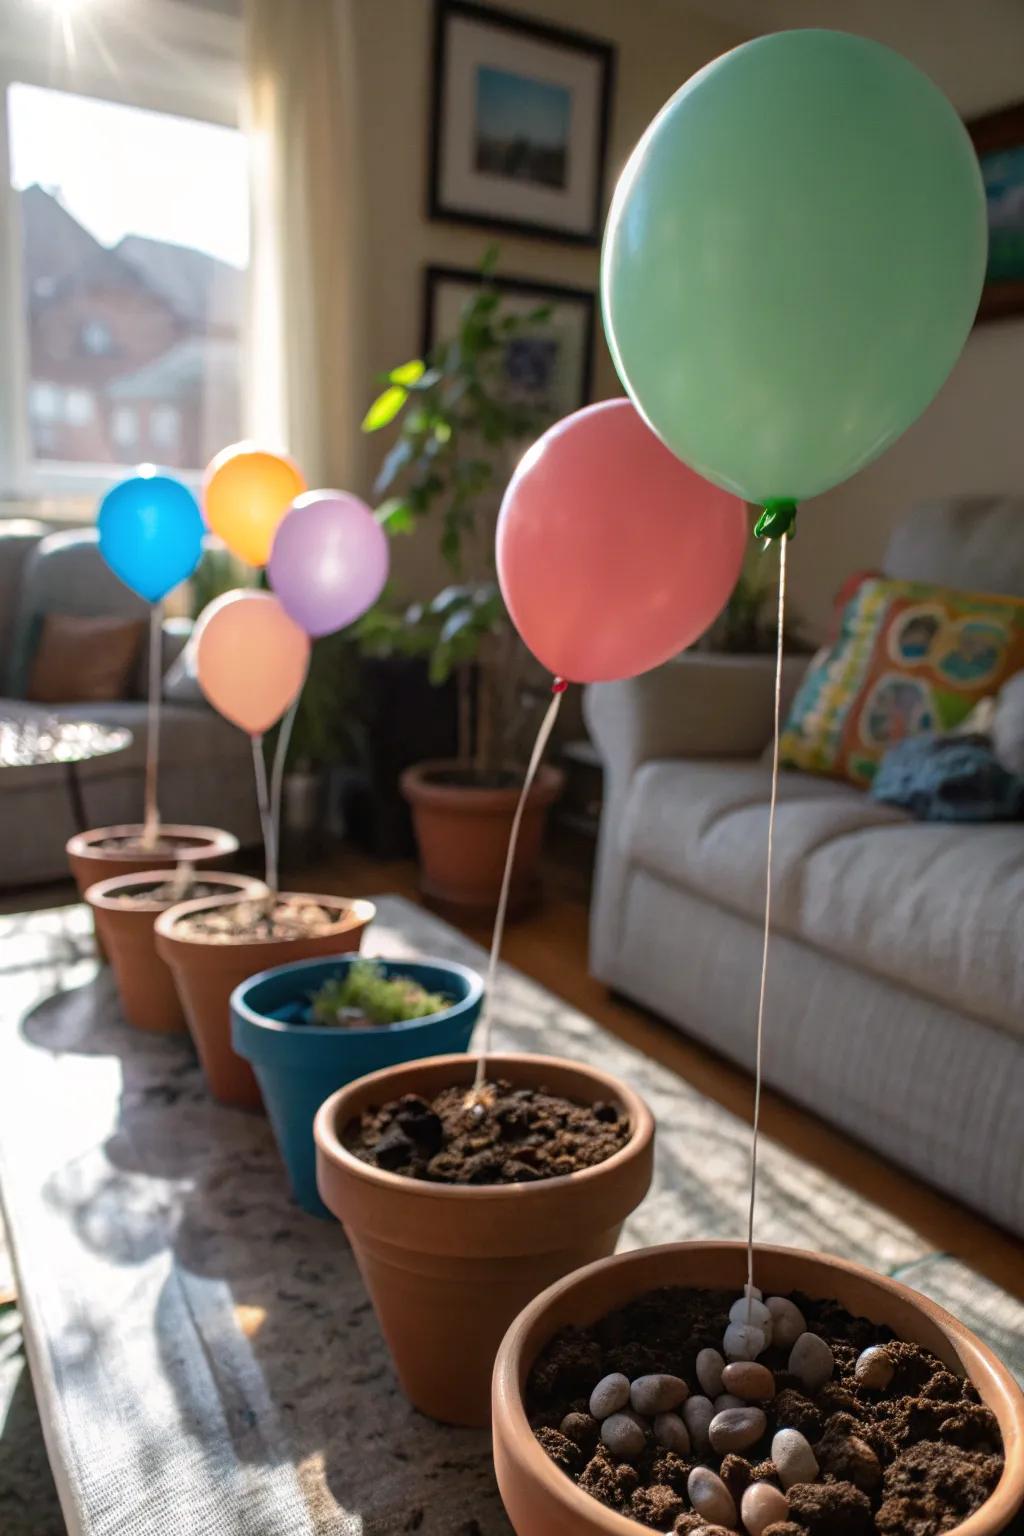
{"points": [[671, 1432], [710, 1497], [697, 1415], [710, 1366], [652, 1395], [762, 1506], [751, 1312], [582, 1430], [623, 1436], [755, 1291], [747, 1380], [743, 1342], [874, 1368], [811, 1361], [393, 1149], [736, 1428], [788, 1322], [726, 1400], [794, 1460], [610, 1394]]}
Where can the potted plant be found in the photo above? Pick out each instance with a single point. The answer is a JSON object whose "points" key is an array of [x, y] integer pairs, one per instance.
{"points": [[312, 1026], [857, 1432], [459, 1210], [125, 908], [461, 427]]}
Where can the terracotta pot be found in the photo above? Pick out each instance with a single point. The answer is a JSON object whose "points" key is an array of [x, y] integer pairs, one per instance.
{"points": [[448, 1266], [148, 994], [90, 862], [463, 831], [206, 974], [542, 1501]]}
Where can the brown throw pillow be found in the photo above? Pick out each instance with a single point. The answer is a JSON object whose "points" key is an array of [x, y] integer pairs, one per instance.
{"points": [[85, 661]]}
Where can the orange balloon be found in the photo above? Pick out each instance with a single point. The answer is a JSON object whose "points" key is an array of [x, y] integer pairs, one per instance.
{"points": [[251, 658], [246, 492]]}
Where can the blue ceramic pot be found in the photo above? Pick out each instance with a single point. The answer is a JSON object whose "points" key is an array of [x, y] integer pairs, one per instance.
{"points": [[300, 1065]]}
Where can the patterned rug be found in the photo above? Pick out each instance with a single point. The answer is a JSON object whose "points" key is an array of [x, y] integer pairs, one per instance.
{"points": [[269, 1403]]}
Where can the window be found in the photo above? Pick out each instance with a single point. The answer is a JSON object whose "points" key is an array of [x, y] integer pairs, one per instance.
{"points": [[134, 249]]}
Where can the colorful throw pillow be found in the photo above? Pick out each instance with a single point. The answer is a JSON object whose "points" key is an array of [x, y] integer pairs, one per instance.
{"points": [[908, 658], [85, 661]]}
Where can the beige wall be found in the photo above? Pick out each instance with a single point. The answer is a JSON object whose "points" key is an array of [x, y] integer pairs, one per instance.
{"points": [[659, 45]]}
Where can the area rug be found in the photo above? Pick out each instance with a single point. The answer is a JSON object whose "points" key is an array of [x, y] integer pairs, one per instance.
{"points": [[213, 1363]]}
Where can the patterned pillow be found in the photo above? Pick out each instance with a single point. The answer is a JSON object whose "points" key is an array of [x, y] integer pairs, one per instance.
{"points": [[908, 658]]}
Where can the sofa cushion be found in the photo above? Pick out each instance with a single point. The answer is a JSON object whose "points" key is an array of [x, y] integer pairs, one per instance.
{"points": [[84, 660], [937, 908]]}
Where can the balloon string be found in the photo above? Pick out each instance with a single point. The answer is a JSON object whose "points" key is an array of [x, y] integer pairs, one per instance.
{"points": [[276, 784], [151, 815], [263, 801], [767, 919], [543, 736]]}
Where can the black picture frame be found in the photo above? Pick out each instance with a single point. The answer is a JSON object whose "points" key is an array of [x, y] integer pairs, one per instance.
{"points": [[603, 55], [528, 288], [991, 134]]}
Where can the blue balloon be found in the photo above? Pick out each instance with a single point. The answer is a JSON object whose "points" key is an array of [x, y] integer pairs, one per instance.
{"points": [[151, 533]]}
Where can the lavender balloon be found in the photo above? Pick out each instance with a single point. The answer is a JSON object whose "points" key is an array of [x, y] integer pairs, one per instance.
{"points": [[329, 560]]}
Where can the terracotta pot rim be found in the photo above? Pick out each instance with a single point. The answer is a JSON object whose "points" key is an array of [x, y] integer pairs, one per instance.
{"points": [[105, 892], [206, 842], [585, 1513], [326, 1137], [418, 787], [356, 912]]}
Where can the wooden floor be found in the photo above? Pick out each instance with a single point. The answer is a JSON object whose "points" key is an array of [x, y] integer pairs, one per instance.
{"points": [[551, 946]]}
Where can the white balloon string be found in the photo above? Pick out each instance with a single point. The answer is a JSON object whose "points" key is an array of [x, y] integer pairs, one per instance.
{"points": [[284, 736], [767, 922], [151, 814], [487, 1012], [259, 763]]}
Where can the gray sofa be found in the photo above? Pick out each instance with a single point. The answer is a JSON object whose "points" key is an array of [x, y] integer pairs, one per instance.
{"points": [[896, 981], [205, 763]]}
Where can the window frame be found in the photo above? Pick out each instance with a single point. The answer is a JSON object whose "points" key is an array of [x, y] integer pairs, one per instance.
{"points": [[162, 55]]}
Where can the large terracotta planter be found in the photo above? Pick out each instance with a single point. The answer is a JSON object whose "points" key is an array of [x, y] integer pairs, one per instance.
{"points": [[206, 973], [193, 845], [542, 1501], [448, 1266], [149, 997], [463, 831]]}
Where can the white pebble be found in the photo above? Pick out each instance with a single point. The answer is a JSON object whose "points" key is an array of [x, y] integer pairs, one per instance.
{"points": [[697, 1415], [755, 1291], [726, 1400], [710, 1497], [737, 1428], [794, 1460], [788, 1322], [874, 1368], [671, 1432], [811, 1360], [610, 1394], [652, 1395], [623, 1436], [710, 1366], [743, 1343], [762, 1504], [753, 1312]]}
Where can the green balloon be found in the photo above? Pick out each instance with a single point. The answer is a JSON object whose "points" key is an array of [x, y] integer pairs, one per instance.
{"points": [[793, 260]]}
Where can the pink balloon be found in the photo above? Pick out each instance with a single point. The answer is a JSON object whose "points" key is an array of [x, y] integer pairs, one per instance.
{"points": [[251, 658], [612, 554]]}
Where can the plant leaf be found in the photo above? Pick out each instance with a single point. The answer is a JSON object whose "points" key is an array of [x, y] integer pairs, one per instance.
{"points": [[385, 408], [396, 516], [408, 373]]}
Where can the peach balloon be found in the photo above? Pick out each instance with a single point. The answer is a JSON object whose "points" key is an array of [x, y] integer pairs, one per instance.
{"points": [[246, 492], [613, 555], [251, 658]]}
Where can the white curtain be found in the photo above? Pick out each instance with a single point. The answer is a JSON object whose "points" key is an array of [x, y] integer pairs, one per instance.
{"points": [[305, 375]]}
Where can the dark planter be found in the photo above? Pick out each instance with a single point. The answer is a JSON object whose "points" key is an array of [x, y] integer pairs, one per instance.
{"points": [[299, 1065]]}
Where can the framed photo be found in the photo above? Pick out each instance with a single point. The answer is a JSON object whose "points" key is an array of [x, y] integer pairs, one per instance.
{"points": [[999, 140], [549, 369], [519, 131]]}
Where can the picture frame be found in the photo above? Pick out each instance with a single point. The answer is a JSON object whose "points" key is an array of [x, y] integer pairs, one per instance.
{"points": [[554, 371], [998, 139], [519, 124]]}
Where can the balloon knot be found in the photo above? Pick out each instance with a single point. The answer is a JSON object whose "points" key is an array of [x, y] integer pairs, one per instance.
{"points": [[559, 685], [776, 521]]}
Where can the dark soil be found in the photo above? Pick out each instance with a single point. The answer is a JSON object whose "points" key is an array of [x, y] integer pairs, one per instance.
{"points": [[475, 778], [913, 1460], [516, 1136], [247, 922]]}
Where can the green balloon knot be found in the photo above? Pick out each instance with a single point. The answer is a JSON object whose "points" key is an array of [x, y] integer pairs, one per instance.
{"points": [[776, 521]]}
